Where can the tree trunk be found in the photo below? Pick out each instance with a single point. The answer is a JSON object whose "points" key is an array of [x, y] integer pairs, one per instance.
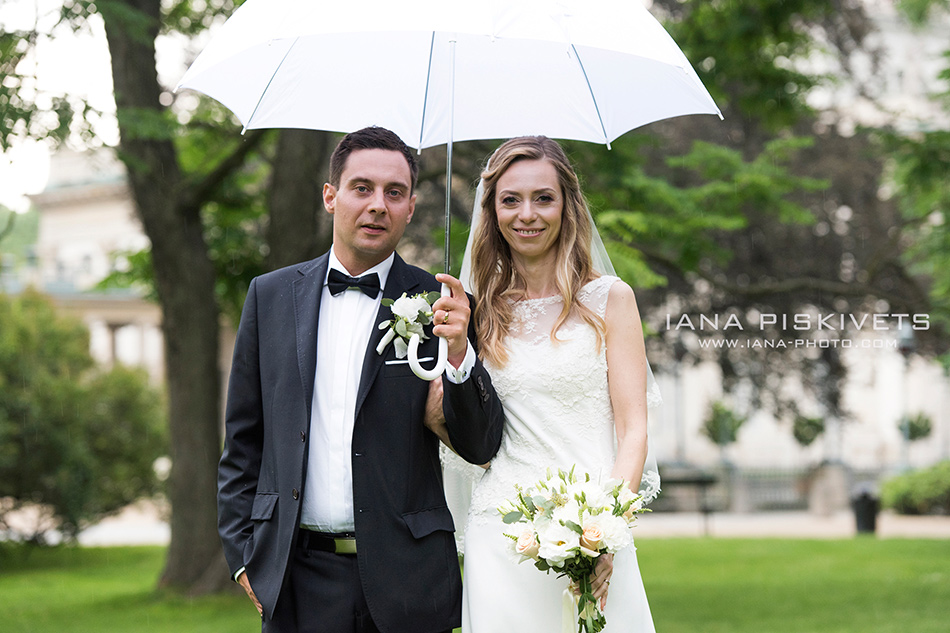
{"points": [[300, 228], [185, 282]]}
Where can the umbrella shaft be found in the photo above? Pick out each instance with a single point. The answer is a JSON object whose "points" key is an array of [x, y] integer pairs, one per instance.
{"points": [[448, 203], [448, 159]]}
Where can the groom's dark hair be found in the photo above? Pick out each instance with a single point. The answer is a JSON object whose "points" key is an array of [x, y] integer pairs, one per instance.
{"points": [[370, 138]]}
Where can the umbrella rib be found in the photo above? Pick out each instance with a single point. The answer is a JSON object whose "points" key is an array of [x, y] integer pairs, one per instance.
{"points": [[600, 119], [267, 87], [425, 96]]}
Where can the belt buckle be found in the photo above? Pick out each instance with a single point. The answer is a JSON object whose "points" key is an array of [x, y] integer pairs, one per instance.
{"points": [[344, 545]]}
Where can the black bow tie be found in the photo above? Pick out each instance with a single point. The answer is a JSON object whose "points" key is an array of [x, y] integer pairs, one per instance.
{"points": [[367, 284]]}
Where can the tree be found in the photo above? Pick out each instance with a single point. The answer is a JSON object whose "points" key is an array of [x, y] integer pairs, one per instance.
{"points": [[721, 426], [76, 442], [172, 188], [772, 211], [806, 429], [915, 427]]}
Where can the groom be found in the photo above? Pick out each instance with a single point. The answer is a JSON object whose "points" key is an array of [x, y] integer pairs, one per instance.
{"points": [[330, 502]]}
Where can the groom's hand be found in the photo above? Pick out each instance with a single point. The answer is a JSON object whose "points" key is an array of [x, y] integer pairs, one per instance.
{"points": [[451, 314], [244, 582]]}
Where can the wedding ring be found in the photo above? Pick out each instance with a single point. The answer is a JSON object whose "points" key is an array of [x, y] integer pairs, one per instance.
{"points": [[445, 319]]}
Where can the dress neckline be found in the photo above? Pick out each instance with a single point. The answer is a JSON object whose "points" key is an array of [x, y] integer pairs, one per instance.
{"points": [[555, 298]]}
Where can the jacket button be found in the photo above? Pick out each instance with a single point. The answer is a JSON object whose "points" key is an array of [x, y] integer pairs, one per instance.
{"points": [[481, 388], [295, 494], [303, 436]]}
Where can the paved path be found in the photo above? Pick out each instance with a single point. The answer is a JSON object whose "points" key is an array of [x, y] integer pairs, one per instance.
{"points": [[787, 525], [142, 524]]}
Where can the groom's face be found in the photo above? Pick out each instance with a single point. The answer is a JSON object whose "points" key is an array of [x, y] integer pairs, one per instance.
{"points": [[371, 207]]}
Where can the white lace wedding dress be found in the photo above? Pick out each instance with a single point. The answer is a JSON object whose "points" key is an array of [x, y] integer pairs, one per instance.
{"points": [[558, 414]]}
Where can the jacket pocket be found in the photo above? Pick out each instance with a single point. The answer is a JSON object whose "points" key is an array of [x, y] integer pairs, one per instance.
{"points": [[263, 508], [424, 522]]}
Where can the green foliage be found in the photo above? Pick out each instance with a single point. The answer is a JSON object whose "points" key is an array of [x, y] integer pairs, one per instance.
{"points": [[18, 232], [641, 215], [27, 109], [78, 441], [925, 491], [722, 424], [921, 167], [806, 430], [915, 427], [917, 11], [743, 51]]}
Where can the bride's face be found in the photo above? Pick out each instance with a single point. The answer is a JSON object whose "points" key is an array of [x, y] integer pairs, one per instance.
{"points": [[529, 203]]}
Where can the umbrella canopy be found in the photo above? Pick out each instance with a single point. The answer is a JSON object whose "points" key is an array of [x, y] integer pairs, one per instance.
{"points": [[438, 71], [575, 69]]}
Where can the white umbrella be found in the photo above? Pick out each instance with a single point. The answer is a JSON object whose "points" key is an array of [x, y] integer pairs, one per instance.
{"points": [[438, 71]]}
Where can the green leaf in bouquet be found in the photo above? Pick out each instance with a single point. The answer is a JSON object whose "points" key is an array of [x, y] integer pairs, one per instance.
{"points": [[513, 517], [543, 565], [401, 329], [574, 526], [387, 302], [433, 296]]}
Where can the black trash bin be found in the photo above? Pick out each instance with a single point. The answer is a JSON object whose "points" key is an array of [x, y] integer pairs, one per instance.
{"points": [[866, 507]]}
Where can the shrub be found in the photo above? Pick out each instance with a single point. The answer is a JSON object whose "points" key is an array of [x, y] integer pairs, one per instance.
{"points": [[76, 442], [915, 427], [924, 491], [722, 424], [806, 430]]}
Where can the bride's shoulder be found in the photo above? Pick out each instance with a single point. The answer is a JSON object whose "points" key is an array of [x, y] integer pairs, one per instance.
{"points": [[603, 286], [598, 293]]}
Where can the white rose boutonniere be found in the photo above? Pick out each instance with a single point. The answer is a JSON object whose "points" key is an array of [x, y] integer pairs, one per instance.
{"points": [[410, 315]]}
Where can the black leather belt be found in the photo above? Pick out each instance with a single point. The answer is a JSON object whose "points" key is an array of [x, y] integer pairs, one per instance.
{"points": [[322, 542]]}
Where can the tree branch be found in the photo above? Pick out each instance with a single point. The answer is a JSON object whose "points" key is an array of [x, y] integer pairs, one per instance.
{"points": [[201, 190]]}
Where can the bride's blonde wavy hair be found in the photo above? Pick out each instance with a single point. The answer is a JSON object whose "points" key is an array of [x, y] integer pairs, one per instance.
{"points": [[497, 282]]}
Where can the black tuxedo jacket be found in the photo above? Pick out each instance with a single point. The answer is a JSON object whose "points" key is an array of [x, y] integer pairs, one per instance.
{"points": [[407, 557]]}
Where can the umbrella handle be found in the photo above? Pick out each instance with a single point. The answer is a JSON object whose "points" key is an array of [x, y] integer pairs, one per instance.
{"points": [[436, 371]]}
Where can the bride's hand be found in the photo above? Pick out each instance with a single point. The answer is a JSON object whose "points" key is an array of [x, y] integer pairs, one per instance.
{"points": [[434, 419], [600, 579]]}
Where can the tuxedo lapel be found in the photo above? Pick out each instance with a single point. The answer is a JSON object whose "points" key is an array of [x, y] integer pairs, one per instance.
{"points": [[308, 290], [399, 281]]}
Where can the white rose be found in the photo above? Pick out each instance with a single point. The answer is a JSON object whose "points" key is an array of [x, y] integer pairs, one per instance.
{"points": [[410, 307], [596, 497], [570, 511], [557, 542], [615, 530]]}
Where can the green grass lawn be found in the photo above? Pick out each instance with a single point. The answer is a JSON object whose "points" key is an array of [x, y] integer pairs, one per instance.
{"points": [[694, 585], [862, 585]]}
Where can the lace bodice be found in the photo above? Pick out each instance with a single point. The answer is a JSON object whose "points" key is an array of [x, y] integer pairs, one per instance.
{"points": [[555, 397]]}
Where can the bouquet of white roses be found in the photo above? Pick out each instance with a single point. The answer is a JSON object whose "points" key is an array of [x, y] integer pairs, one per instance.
{"points": [[410, 314], [567, 522]]}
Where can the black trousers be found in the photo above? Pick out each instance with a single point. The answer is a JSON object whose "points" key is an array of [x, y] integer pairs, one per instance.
{"points": [[322, 594]]}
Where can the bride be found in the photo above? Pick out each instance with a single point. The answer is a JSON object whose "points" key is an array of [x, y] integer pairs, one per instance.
{"points": [[564, 346]]}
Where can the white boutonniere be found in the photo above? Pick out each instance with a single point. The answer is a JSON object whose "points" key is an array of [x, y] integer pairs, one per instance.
{"points": [[410, 315]]}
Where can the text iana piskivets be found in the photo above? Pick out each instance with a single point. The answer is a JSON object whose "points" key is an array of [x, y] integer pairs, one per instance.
{"points": [[835, 321]]}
